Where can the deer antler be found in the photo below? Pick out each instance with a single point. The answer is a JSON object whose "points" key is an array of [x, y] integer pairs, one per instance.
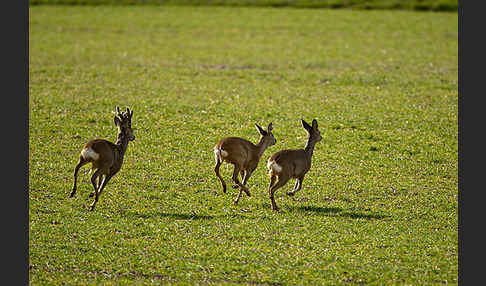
{"points": [[119, 113], [129, 113], [123, 115]]}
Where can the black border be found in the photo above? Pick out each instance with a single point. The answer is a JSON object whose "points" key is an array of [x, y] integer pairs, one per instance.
{"points": [[471, 83], [15, 143]]}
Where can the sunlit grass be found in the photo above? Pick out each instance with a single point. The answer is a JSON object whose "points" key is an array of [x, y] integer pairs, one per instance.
{"points": [[379, 205]]}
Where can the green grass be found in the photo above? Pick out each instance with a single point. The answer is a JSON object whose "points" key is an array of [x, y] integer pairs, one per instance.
{"points": [[431, 5], [378, 207]]}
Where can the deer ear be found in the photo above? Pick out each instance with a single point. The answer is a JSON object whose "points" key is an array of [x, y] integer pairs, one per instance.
{"points": [[306, 125], [117, 121], [270, 127], [314, 124], [262, 132]]}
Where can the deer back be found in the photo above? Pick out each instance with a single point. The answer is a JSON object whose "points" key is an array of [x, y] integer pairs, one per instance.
{"points": [[100, 153], [293, 162], [236, 150]]}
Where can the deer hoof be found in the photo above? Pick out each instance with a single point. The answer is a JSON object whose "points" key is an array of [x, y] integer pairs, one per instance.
{"points": [[72, 194], [290, 194], [91, 194]]}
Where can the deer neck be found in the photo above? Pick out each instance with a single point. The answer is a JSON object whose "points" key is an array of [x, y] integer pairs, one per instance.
{"points": [[309, 147], [260, 147], [122, 143]]}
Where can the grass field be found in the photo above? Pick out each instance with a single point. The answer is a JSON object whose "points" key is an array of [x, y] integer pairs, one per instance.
{"points": [[378, 207]]}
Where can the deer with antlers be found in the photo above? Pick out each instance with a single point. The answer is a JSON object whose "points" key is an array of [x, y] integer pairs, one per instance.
{"points": [[106, 157], [287, 164], [244, 155]]}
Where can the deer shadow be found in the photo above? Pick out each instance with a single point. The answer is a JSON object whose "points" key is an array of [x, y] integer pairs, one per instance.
{"points": [[187, 216], [335, 211], [176, 216]]}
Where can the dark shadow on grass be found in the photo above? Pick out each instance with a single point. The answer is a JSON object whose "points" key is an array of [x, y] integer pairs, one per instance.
{"points": [[364, 215], [177, 216], [243, 282], [319, 210], [192, 216], [334, 211]]}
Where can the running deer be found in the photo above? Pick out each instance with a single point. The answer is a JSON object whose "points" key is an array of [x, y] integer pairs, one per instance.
{"points": [[287, 164], [106, 157], [244, 155]]}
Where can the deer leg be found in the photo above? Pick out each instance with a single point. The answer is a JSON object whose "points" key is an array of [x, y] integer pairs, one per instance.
{"points": [[216, 170], [105, 181], [235, 179], [297, 186], [235, 186], [100, 177], [81, 163], [95, 175], [238, 197], [280, 182], [242, 174], [245, 179], [272, 181]]}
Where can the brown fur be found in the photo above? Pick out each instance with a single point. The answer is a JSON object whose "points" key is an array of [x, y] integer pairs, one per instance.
{"points": [[110, 154], [294, 163], [244, 155]]}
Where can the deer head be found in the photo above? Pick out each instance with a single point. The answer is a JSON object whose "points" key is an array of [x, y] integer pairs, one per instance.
{"points": [[123, 122], [266, 136], [314, 133]]}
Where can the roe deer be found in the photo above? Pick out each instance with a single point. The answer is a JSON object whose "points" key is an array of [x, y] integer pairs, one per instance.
{"points": [[106, 157], [244, 155], [287, 164]]}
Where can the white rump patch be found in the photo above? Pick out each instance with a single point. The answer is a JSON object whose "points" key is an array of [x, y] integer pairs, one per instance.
{"points": [[274, 166], [90, 154], [220, 152]]}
